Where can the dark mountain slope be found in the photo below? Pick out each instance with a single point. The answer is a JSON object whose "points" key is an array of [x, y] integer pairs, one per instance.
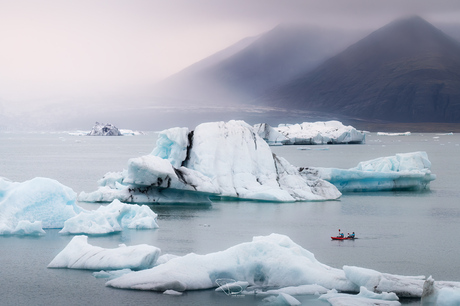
{"points": [[268, 60], [407, 71]]}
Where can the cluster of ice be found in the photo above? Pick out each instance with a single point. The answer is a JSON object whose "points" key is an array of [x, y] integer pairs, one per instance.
{"points": [[79, 254], [272, 266], [406, 171], [101, 129], [111, 218], [29, 207], [310, 133], [217, 160], [267, 261], [126, 132], [393, 134]]}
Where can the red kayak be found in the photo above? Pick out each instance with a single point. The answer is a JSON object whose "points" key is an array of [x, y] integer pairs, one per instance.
{"points": [[342, 238]]}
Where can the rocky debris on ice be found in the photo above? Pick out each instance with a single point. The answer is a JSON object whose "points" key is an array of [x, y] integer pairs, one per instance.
{"points": [[101, 129], [310, 133]]}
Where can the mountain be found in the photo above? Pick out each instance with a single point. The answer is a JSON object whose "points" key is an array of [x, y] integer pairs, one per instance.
{"points": [[406, 71], [247, 69]]}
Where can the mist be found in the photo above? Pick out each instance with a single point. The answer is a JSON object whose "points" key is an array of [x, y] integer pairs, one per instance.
{"points": [[66, 64]]}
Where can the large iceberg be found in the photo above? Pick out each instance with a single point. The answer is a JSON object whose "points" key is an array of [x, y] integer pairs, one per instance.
{"points": [[111, 218], [406, 171], [310, 133], [217, 160], [267, 261], [79, 254], [29, 207]]}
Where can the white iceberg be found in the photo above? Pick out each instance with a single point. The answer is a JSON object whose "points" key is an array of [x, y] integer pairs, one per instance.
{"points": [[311, 133], [217, 160], [29, 207], [282, 299], [393, 134], [440, 293], [111, 218], [267, 261], [79, 254], [363, 298], [406, 171]]}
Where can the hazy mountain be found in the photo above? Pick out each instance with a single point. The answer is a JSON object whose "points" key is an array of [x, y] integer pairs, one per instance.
{"points": [[406, 71], [250, 67]]}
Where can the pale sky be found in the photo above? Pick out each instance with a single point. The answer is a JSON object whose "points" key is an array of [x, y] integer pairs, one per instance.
{"points": [[61, 49]]}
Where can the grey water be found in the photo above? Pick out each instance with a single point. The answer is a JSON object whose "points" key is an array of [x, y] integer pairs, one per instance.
{"points": [[405, 233]]}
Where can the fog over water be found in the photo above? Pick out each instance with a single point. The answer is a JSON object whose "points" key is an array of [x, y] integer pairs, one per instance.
{"points": [[64, 64]]}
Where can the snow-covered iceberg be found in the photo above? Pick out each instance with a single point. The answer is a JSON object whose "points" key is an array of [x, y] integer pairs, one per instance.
{"points": [[406, 171], [310, 133], [111, 218], [217, 160], [29, 207], [101, 129], [267, 261], [79, 254]]}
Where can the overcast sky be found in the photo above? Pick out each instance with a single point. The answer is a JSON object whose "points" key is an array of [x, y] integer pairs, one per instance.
{"points": [[77, 48]]}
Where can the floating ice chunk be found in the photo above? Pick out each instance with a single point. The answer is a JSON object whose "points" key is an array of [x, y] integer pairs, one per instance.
{"points": [[291, 290], [111, 218], [282, 299], [79, 254], [111, 274], [363, 298], [270, 135], [26, 227], [406, 171], [440, 293], [311, 133], [40, 199], [403, 286], [172, 292], [218, 160], [268, 261], [393, 134]]}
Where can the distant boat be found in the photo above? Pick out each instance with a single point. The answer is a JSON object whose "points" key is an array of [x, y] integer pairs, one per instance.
{"points": [[343, 238]]}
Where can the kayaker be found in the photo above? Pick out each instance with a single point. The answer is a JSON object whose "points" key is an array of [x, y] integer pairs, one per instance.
{"points": [[340, 234], [352, 235]]}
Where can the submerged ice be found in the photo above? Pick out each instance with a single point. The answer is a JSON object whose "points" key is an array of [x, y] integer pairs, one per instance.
{"points": [[216, 160]]}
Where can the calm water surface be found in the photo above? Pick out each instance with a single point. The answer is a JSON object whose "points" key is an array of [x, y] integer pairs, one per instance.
{"points": [[407, 233]]}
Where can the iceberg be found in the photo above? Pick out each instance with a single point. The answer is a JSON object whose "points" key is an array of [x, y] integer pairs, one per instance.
{"points": [[79, 254], [406, 171], [310, 133], [101, 129], [443, 293], [267, 261], [29, 207], [218, 160], [363, 298], [393, 134], [111, 218]]}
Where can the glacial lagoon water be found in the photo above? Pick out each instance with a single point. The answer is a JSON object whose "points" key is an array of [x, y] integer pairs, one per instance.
{"points": [[406, 233]]}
